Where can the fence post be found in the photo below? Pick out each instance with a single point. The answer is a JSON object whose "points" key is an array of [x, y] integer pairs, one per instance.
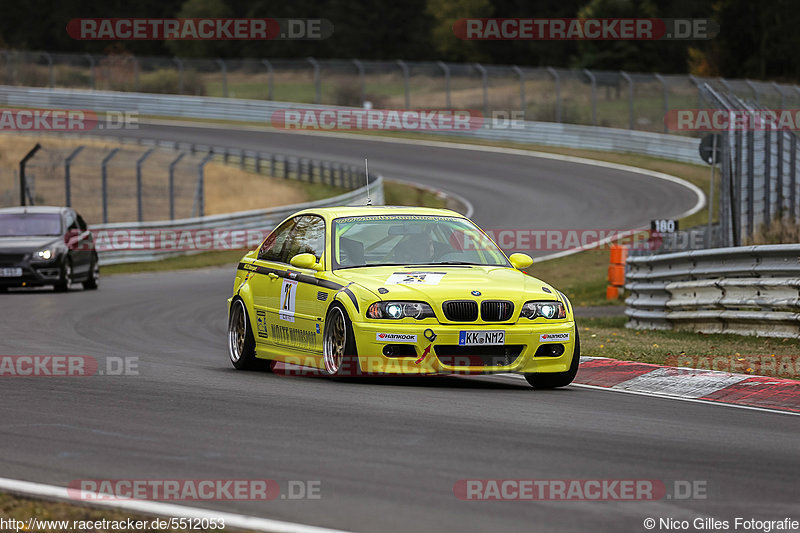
{"points": [[50, 70], [754, 89], [361, 80], [709, 225], [91, 67], [780, 93], [767, 175], [172, 185], [751, 180], [200, 200], [594, 95], [67, 184], [521, 75], [270, 76], [779, 198], [485, 80], [699, 94], [224, 71], [9, 70], [317, 81], [139, 162], [793, 176], [442, 65], [404, 68], [136, 73], [23, 182], [179, 62], [627, 78], [660, 78], [104, 183], [557, 81]]}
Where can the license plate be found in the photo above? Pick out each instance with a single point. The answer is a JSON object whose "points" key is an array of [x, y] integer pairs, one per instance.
{"points": [[481, 338], [10, 272]]}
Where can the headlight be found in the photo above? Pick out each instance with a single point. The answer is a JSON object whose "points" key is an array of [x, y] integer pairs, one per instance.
{"points": [[45, 254], [398, 310], [548, 309]]}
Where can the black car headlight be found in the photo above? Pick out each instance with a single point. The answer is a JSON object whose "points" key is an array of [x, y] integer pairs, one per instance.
{"points": [[550, 309], [45, 254], [398, 310]]}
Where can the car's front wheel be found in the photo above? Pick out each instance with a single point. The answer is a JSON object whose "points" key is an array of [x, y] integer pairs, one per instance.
{"points": [[339, 344], [62, 285], [241, 343], [94, 276], [552, 380]]}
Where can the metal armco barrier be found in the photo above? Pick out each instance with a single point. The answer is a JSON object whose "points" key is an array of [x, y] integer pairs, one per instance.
{"points": [[673, 147], [749, 290]]}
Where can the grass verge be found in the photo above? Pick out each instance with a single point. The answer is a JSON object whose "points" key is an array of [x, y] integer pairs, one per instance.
{"points": [[608, 337], [77, 517]]}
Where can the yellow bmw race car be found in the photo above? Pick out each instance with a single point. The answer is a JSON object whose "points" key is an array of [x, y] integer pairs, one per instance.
{"points": [[397, 290]]}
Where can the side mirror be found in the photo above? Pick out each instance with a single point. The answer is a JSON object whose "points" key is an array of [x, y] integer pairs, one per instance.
{"points": [[520, 261], [305, 261]]}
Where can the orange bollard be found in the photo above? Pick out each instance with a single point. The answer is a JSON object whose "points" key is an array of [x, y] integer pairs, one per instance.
{"points": [[616, 271]]}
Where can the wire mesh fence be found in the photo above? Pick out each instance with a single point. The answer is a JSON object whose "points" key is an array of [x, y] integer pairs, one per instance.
{"points": [[637, 101], [152, 181]]}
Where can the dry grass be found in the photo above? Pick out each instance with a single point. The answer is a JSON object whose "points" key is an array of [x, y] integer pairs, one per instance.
{"points": [[23, 508], [227, 188], [780, 231]]}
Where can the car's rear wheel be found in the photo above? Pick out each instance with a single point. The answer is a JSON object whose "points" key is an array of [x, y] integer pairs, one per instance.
{"points": [[62, 285], [339, 344], [241, 343], [94, 276], [552, 380]]}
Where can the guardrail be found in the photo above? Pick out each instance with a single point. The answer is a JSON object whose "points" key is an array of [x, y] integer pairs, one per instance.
{"points": [[750, 290], [260, 112]]}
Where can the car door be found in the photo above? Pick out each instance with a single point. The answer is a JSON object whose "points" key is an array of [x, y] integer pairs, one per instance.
{"points": [[72, 237], [303, 302], [272, 263]]}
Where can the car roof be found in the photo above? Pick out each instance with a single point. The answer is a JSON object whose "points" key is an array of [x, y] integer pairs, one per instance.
{"points": [[34, 209], [354, 211]]}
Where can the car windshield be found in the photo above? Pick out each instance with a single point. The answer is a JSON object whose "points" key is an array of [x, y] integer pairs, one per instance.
{"points": [[29, 224], [411, 240]]}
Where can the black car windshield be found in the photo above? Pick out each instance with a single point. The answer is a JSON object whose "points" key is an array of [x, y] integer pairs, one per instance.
{"points": [[411, 240], [29, 224]]}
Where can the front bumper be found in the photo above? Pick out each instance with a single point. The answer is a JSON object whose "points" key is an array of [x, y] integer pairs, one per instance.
{"points": [[33, 273], [444, 355]]}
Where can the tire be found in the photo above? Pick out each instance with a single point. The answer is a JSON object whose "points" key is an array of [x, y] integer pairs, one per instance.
{"points": [[339, 344], [241, 343], [91, 284], [552, 380], [62, 285]]}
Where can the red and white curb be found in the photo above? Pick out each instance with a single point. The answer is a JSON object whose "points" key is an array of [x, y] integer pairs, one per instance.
{"points": [[688, 383]]}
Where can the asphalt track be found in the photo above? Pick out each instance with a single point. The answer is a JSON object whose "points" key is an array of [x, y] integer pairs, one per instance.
{"points": [[387, 452]]}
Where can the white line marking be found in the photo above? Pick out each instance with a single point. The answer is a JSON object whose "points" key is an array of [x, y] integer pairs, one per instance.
{"points": [[666, 396], [29, 488]]}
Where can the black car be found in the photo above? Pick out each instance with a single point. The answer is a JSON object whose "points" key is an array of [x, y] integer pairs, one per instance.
{"points": [[45, 245]]}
